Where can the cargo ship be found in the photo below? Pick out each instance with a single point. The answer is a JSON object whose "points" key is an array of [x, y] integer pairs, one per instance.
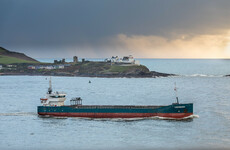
{"points": [[53, 106]]}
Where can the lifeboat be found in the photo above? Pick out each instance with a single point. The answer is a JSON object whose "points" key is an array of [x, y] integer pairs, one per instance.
{"points": [[43, 99]]}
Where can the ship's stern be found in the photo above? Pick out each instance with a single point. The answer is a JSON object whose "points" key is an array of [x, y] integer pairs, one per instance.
{"points": [[41, 110]]}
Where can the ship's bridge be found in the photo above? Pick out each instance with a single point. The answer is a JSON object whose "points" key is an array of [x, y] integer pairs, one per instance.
{"points": [[57, 94], [53, 98]]}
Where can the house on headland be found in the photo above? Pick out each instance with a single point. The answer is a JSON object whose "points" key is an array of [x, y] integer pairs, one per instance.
{"points": [[126, 60], [48, 67]]}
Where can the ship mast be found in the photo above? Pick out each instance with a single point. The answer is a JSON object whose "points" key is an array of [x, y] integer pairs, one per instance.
{"points": [[175, 89], [50, 87]]}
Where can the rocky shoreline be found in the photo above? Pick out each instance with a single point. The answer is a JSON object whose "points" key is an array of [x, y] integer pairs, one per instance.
{"points": [[152, 74], [84, 69]]}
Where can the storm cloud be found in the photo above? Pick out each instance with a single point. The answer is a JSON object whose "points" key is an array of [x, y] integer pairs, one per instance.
{"points": [[57, 28]]}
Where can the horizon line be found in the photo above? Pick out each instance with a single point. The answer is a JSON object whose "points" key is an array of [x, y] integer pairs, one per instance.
{"points": [[134, 58]]}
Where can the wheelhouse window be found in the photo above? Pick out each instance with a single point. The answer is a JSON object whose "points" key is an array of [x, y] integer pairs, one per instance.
{"points": [[59, 96]]}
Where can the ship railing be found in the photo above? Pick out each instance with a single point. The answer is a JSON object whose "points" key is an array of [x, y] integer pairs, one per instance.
{"points": [[118, 107]]}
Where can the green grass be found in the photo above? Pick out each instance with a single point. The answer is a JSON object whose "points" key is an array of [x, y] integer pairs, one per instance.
{"points": [[125, 68], [119, 68], [11, 60], [1, 50]]}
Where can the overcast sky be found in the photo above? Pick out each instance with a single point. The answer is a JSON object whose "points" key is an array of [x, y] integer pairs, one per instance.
{"points": [[102, 28]]}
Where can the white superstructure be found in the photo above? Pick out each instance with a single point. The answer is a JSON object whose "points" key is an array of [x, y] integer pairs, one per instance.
{"points": [[53, 98]]}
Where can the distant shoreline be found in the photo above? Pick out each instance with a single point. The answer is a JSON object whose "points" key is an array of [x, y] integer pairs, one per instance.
{"points": [[152, 75]]}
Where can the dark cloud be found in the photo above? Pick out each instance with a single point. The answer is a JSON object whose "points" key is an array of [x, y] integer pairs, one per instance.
{"points": [[63, 23]]}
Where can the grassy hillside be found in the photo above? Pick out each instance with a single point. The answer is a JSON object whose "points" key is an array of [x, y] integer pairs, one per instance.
{"points": [[9, 57], [105, 68], [126, 68], [2, 50], [11, 60]]}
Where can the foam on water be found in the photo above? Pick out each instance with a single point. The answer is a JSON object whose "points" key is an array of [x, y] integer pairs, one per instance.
{"points": [[125, 119], [168, 118], [203, 75], [117, 119], [19, 114]]}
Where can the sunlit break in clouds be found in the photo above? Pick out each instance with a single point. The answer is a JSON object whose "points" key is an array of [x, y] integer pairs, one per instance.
{"points": [[200, 46], [98, 29]]}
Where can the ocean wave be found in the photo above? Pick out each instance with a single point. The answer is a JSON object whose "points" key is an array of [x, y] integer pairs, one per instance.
{"points": [[19, 114], [55, 117], [167, 118], [136, 119], [110, 119], [222, 113], [203, 75]]}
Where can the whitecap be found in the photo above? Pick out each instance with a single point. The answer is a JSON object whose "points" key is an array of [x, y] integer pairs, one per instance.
{"points": [[203, 75]]}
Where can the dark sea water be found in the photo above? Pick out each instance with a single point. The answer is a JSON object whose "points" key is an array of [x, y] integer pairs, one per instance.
{"points": [[200, 82]]}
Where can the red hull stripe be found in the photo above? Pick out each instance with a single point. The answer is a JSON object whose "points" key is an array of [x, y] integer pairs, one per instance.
{"points": [[118, 115]]}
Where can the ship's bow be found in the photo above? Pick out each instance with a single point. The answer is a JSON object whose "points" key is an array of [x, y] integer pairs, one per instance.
{"points": [[176, 111]]}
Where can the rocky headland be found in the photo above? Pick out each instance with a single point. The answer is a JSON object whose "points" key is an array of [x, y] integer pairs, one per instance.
{"points": [[25, 65]]}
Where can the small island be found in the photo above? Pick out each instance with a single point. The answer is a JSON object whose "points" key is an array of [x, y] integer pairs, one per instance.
{"points": [[14, 63]]}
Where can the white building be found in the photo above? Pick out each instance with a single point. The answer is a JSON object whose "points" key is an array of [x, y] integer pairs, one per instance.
{"points": [[115, 59], [130, 60], [49, 67], [126, 60], [31, 67], [61, 66], [10, 66]]}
